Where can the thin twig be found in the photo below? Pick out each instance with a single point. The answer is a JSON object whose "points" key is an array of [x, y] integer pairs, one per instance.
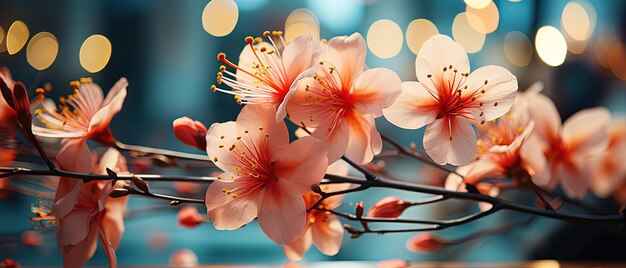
{"points": [[156, 151]]}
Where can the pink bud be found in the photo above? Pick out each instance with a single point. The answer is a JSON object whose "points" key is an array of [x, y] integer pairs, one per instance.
{"points": [[388, 207], [184, 258], [359, 210], [31, 238], [21, 104], [190, 132], [397, 263], [189, 217], [426, 242]]}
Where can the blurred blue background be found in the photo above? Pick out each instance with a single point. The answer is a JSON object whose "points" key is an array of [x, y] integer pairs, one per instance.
{"points": [[170, 62]]}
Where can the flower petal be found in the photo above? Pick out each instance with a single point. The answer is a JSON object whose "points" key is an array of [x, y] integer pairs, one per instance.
{"points": [[303, 163], [74, 227], [247, 61], [66, 195], [500, 90], [295, 251], [327, 235], [375, 89], [78, 255], [120, 85], [299, 55], [365, 141], [218, 139], [450, 140], [586, 131], [482, 169], [574, 177], [547, 119], [438, 52], [260, 120], [535, 163], [282, 213], [228, 212], [75, 155], [347, 55], [102, 118], [413, 108]]}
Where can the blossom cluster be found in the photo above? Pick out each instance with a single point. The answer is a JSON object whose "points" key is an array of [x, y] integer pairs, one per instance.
{"points": [[475, 120]]}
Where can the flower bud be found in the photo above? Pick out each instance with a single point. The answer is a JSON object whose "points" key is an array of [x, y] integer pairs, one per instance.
{"points": [[31, 238], [7, 93], [21, 104], [359, 210], [426, 242], [190, 132], [189, 217], [388, 207]]}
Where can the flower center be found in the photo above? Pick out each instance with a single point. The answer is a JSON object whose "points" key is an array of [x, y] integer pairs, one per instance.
{"points": [[70, 115], [453, 95], [268, 82]]}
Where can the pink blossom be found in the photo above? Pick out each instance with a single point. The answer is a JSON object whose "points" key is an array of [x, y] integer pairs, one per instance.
{"points": [[184, 258], [342, 100], [85, 213], [449, 99], [264, 175], [570, 146], [190, 132], [268, 72], [83, 115], [388, 207]]}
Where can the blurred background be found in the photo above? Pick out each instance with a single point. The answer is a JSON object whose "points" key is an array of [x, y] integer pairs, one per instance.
{"points": [[167, 50]]}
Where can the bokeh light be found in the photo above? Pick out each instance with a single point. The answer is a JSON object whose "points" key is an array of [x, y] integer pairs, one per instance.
{"points": [[518, 49], [617, 52], [384, 38], [301, 21], [578, 20], [477, 4], [340, 17], [485, 20], [42, 50], [95, 53], [17, 36], [550, 45], [1, 36], [418, 32], [220, 17], [465, 34]]}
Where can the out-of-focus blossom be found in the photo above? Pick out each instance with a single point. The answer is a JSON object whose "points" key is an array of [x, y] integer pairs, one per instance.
{"points": [[426, 242], [190, 132], [31, 238], [189, 217], [83, 115], [184, 258], [85, 212], [341, 100], [449, 99], [393, 264], [609, 174], [158, 240], [388, 207], [321, 228], [455, 182], [269, 72], [569, 147], [9, 263], [264, 175]]}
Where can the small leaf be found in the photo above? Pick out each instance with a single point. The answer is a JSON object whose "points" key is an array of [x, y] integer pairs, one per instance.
{"points": [[112, 174], [316, 189], [140, 183], [119, 192]]}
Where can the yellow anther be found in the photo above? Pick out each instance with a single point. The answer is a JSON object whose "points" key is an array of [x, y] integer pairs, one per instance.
{"points": [[261, 128], [232, 147], [222, 137], [220, 146], [39, 90], [38, 112], [239, 102], [249, 39], [222, 68], [85, 80], [215, 159], [221, 56], [263, 49], [213, 88], [266, 34]]}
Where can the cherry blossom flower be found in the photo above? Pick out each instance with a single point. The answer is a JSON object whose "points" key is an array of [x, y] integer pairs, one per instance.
{"points": [[449, 99], [609, 174], [321, 228], [268, 72], [264, 175], [84, 213], [83, 115], [569, 146], [388, 207], [342, 100], [190, 132]]}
